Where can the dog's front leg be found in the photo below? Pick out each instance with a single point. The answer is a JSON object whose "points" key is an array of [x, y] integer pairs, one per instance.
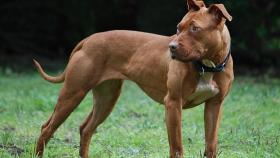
{"points": [[212, 116], [173, 112]]}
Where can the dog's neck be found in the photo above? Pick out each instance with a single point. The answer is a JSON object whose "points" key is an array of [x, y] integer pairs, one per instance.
{"points": [[220, 53]]}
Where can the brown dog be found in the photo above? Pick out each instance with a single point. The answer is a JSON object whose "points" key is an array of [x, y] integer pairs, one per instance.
{"points": [[201, 72]]}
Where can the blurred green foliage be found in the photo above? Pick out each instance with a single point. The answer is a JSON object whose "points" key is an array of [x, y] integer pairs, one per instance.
{"points": [[52, 28]]}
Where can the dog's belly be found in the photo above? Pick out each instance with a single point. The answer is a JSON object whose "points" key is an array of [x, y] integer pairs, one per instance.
{"points": [[154, 92]]}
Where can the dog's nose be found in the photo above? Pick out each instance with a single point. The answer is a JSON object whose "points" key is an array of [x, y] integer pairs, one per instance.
{"points": [[173, 46]]}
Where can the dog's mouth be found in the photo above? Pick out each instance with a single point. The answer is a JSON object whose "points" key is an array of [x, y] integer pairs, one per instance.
{"points": [[181, 57]]}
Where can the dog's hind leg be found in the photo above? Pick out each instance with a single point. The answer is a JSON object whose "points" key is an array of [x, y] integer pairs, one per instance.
{"points": [[105, 97], [79, 79], [67, 102]]}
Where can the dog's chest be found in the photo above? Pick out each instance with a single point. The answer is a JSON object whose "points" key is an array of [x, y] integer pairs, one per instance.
{"points": [[205, 89]]}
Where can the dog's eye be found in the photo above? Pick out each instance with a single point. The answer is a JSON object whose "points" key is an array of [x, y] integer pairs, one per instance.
{"points": [[194, 28]]}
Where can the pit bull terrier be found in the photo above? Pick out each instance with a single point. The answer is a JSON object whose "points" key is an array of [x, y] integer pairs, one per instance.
{"points": [[182, 71]]}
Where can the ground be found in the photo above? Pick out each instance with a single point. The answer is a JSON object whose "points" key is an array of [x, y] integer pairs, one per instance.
{"points": [[250, 125]]}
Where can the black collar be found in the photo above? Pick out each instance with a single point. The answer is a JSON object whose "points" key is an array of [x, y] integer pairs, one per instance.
{"points": [[218, 68]]}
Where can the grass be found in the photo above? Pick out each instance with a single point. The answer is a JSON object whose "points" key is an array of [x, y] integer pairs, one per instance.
{"points": [[250, 126]]}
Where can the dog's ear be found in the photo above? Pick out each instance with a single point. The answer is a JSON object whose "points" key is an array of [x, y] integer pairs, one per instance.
{"points": [[195, 5], [219, 12]]}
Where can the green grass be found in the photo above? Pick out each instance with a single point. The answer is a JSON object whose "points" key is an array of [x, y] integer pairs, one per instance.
{"points": [[250, 126]]}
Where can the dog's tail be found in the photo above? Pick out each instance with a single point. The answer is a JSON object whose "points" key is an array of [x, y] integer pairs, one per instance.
{"points": [[57, 79], [61, 77]]}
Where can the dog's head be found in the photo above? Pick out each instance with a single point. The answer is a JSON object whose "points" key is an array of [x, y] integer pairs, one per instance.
{"points": [[199, 32]]}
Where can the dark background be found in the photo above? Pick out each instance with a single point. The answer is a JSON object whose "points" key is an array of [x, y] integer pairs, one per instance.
{"points": [[49, 29]]}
